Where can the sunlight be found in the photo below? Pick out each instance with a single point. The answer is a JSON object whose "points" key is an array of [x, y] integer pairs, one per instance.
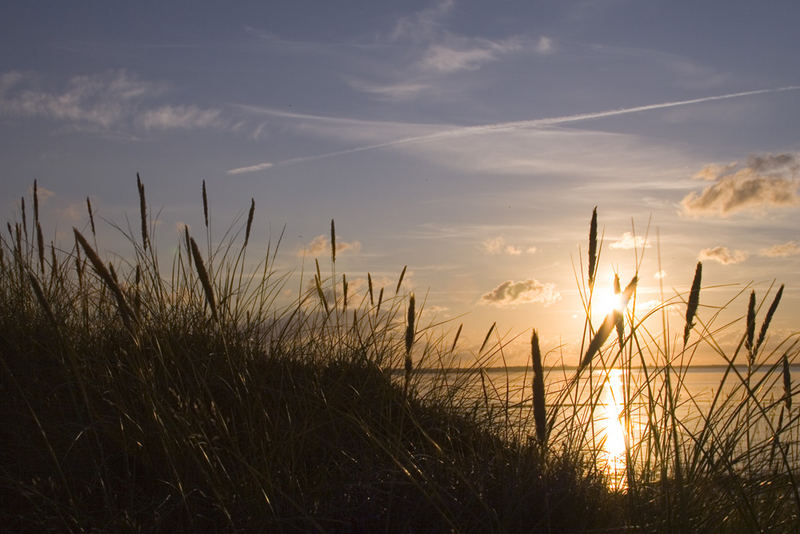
{"points": [[614, 431], [604, 301]]}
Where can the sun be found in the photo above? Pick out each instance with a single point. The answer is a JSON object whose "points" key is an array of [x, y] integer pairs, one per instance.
{"points": [[605, 301]]}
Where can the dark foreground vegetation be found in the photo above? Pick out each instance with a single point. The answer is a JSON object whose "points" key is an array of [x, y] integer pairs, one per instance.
{"points": [[131, 400]]}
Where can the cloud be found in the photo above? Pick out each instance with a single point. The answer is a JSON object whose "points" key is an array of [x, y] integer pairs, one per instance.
{"points": [[250, 168], [511, 293], [627, 242], [494, 245], [466, 54], [106, 100], [712, 171], [43, 193], [425, 135], [790, 248], [423, 24], [762, 181], [320, 245], [182, 117], [99, 99], [389, 91], [722, 255], [498, 245], [544, 45]]}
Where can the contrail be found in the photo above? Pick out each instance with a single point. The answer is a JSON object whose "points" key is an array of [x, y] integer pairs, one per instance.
{"points": [[531, 123]]}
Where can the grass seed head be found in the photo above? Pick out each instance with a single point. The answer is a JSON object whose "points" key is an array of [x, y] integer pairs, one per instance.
{"points": [[142, 211], [91, 215], [333, 242], [592, 246], [768, 318], [205, 204], [204, 279], [410, 325], [249, 221], [694, 301], [35, 202], [751, 327], [539, 412], [400, 280]]}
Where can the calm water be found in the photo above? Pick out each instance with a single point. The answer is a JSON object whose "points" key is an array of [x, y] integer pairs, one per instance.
{"points": [[610, 414]]}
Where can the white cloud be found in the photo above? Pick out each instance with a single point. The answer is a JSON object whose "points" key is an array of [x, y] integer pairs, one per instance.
{"points": [[494, 245], [321, 245], [100, 99], [722, 255], [511, 293], [628, 241], [544, 45], [423, 24], [498, 245], [506, 147], [105, 100], [761, 182], [182, 117], [250, 168], [466, 54], [43, 193], [790, 248], [389, 91]]}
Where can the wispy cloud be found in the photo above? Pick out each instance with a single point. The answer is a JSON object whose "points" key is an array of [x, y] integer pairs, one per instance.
{"points": [[628, 241], [466, 54], [389, 91], [762, 181], [423, 24], [712, 171], [250, 168], [100, 99], [105, 100], [321, 245], [498, 245], [722, 255], [790, 248], [511, 293], [181, 117], [445, 132]]}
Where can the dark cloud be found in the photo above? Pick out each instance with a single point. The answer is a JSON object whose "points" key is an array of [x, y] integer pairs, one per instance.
{"points": [[762, 181], [511, 293]]}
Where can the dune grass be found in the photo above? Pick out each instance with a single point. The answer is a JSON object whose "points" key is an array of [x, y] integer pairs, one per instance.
{"points": [[139, 397]]}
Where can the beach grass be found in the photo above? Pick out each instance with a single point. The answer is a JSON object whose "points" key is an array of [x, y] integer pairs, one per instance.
{"points": [[192, 396]]}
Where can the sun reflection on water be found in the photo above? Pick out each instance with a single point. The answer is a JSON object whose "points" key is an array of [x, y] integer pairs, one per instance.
{"points": [[613, 437]]}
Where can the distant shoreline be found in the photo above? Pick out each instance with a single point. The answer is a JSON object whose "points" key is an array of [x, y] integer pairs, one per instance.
{"points": [[522, 368]]}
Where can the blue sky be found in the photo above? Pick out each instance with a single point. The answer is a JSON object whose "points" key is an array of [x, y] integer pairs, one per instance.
{"points": [[468, 140]]}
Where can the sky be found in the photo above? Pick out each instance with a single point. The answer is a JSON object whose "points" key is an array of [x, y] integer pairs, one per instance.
{"points": [[467, 140]]}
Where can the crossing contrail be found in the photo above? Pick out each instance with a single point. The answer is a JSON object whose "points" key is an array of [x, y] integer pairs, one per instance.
{"points": [[464, 131]]}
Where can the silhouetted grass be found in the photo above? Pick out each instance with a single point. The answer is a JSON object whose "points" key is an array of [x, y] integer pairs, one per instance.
{"points": [[132, 400]]}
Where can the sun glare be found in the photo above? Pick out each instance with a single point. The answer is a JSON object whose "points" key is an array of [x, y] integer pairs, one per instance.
{"points": [[604, 301], [614, 431]]}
